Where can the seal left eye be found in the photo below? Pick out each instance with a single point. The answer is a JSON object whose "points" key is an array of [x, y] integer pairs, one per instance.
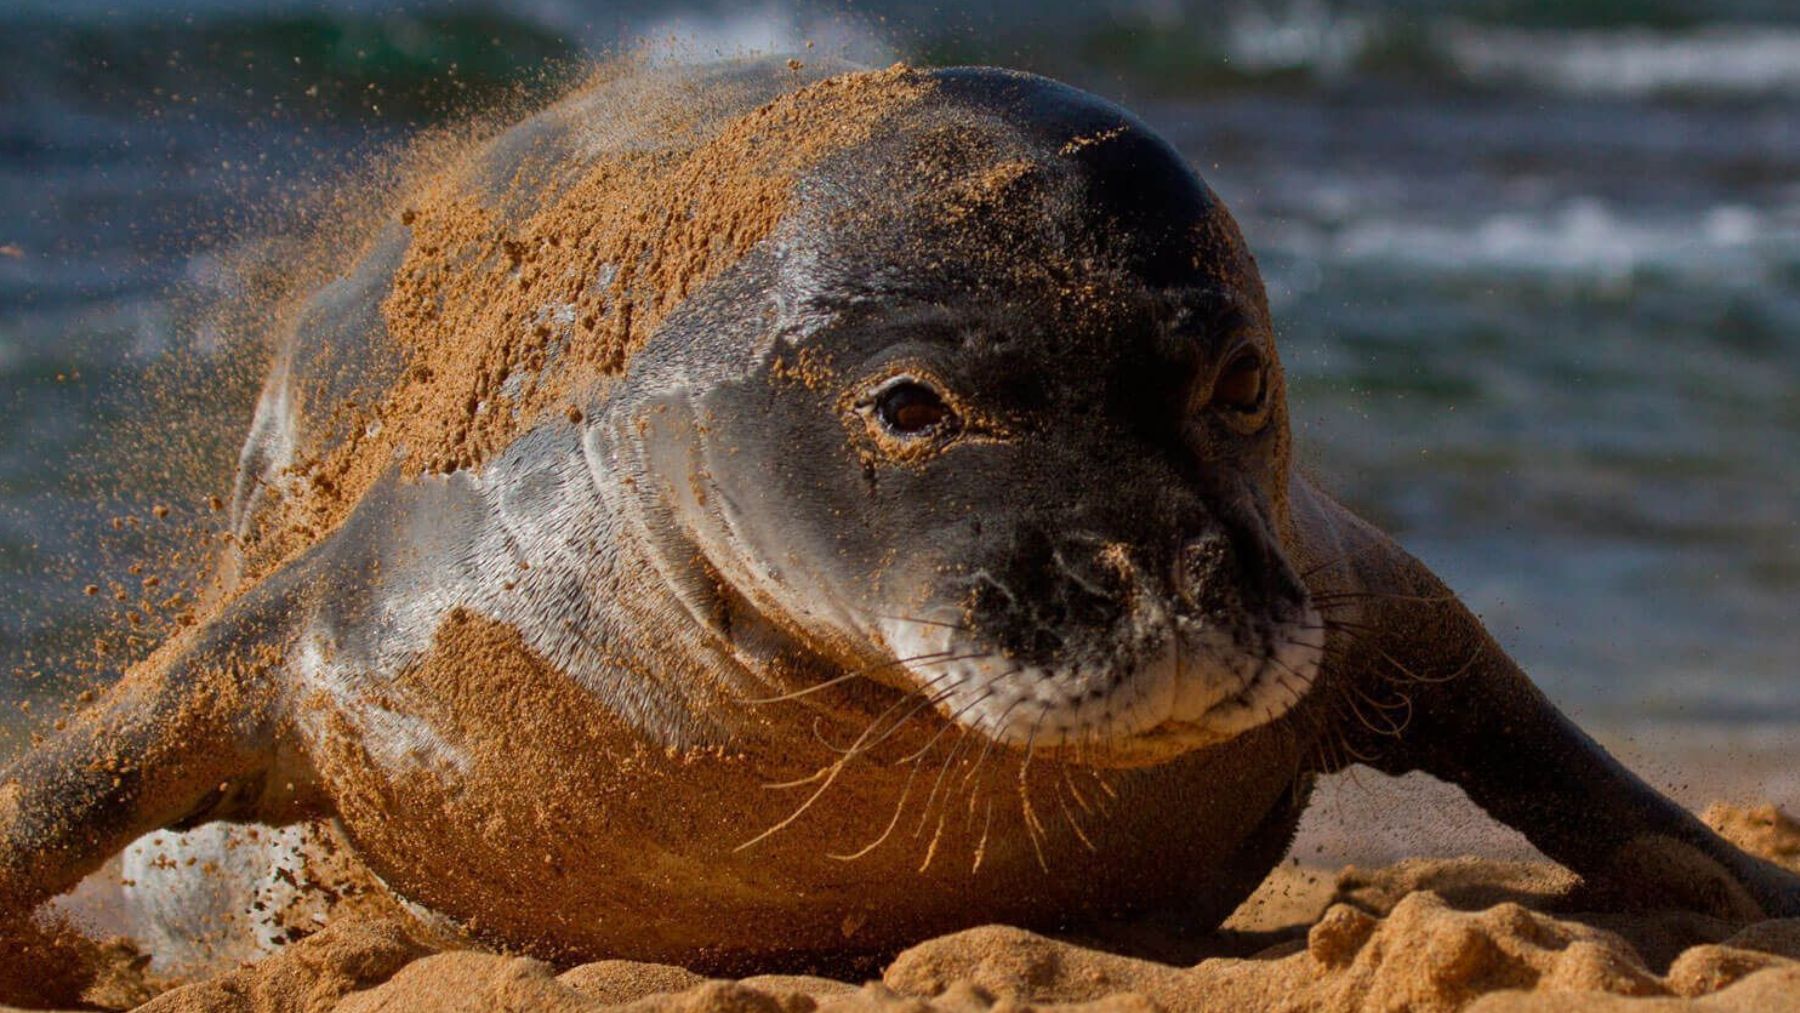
{"points": [[909, 408]]}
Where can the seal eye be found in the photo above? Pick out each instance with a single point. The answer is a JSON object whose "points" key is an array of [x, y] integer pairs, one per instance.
{"points": [[909, 408], [1240, 384]]}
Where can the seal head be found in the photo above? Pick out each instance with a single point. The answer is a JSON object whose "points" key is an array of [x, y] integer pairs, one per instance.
{"points": [[1010, 433]]}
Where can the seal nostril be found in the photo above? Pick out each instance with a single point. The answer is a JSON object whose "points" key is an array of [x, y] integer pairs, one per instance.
{"points": [[1204, 568]]}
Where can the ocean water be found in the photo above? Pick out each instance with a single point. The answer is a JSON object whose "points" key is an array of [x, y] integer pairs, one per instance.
{"points": [[1535, 266]]}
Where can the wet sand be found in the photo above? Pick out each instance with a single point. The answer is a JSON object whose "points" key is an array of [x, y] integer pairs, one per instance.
{"points": [[1367, 819]]}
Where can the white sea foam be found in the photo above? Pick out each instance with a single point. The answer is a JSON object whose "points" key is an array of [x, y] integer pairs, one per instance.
{"points": [[1330, 44], [1582, 236], [703, 36], [1746, 60], [1306, 34]]}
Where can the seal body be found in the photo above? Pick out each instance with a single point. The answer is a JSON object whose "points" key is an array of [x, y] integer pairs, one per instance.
{"points": [[855, 509], [636, 767]]}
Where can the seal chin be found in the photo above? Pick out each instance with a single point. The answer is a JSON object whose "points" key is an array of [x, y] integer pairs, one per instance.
{"points": [[1191, 686]]}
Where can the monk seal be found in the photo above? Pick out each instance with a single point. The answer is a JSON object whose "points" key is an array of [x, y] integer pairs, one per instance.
{"points": [[747, 517]]}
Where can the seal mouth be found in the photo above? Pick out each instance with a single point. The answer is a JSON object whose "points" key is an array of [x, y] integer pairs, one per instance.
{"points": [[1183, 684]]}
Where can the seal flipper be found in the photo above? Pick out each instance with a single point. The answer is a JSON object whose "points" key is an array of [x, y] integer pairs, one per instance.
{"points": [[1477, 721], [189, 734], [1495, 735]]}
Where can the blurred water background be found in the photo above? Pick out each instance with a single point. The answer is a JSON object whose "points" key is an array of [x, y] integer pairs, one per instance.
{"points": [[1535, 266]]}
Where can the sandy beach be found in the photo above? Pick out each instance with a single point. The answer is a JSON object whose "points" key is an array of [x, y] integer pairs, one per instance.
{"points": [[1381, 906], [1421, 933]]}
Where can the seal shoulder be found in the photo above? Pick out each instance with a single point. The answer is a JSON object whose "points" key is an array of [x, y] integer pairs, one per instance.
{"points": [[394, 328]]}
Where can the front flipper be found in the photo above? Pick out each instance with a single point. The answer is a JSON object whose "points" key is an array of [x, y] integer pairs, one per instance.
{"points": [[188, 734], [1471, 717]]}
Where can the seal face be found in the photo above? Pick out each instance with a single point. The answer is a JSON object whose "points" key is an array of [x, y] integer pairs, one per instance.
{"points": [[1020, 446]]}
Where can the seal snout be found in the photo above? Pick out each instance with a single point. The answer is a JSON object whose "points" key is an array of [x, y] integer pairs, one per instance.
{"points": [[1119, 657]]}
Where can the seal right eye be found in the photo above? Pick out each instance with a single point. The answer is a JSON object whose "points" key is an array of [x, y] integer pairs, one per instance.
{"points": [[1240, 384], [910, 408]]}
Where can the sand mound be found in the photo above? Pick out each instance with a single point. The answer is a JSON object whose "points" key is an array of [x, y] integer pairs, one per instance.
{"points": [[1418, 935], [1762, 830]]}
